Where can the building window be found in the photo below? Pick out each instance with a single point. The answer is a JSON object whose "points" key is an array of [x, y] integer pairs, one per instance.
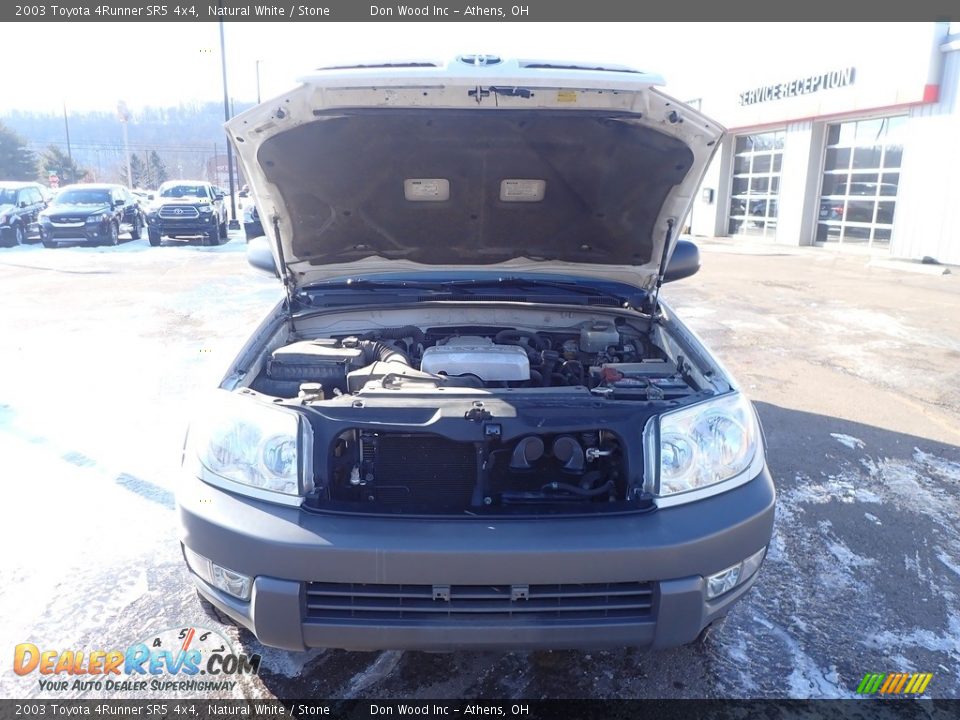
{"points": [[756, 184], [861, 173]]}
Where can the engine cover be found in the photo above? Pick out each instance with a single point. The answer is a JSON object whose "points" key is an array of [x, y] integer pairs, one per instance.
{"points": [[477, 356]]}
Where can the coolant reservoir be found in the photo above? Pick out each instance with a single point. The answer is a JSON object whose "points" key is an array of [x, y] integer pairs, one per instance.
{"points": [[477, 356]]}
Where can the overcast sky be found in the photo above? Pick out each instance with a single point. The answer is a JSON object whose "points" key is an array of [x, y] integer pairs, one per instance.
{"points": [[91, 66]]}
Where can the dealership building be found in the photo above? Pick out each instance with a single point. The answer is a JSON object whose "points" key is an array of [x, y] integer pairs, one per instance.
{"points": [[845, 148]]}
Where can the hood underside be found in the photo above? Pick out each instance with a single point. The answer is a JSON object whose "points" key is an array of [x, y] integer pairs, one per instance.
{"points": [[361, 181], [345, 180]]}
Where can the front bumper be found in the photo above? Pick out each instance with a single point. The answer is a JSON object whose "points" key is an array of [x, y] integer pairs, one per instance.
{"points": [[290, 552], [190, 226], [75, 233]]}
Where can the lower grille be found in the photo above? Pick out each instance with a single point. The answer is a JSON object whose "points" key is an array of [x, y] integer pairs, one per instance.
{"points": [[571, 602], [70, 233]]}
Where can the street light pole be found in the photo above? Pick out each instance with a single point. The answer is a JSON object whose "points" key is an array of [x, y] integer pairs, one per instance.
{"points": [[124, 115], [66, 127], [258, 82], [234, 223]]}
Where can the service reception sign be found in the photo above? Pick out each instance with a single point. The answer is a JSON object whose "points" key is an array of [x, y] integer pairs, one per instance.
{"points": [[880, 67]]}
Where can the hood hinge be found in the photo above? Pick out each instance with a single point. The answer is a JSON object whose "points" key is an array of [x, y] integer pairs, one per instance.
{"points": [[288, 284], [664, 256]]}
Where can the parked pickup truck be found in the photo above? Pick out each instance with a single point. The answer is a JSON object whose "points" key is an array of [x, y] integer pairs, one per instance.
{"points": [[188, 209]]}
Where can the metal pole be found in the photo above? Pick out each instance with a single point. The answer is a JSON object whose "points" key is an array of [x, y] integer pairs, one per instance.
{"points": [[66, 127], [124, 114], [258, 82], [234, 223], [126, 150]]}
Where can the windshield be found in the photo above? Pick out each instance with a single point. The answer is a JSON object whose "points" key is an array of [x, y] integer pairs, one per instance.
{"points": [[83, 197], [178, 191], [7, 196]]}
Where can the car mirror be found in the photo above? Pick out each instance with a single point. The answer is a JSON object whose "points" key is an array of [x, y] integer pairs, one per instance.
{"points": [[260, 256], [684, 262], [118, 203], [218, 196], [23, 203]]}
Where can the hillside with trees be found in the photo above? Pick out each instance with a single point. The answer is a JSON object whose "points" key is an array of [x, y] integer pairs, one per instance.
{"points": [[165, 143]]}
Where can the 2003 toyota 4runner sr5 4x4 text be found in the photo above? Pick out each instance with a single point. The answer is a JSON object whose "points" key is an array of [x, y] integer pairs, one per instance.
{"points": [[472, 422]]}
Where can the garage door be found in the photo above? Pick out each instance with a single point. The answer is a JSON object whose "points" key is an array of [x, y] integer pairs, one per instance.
{"points": [[756, 184], [861, 173]]}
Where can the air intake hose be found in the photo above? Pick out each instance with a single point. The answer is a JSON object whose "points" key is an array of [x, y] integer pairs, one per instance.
{"points": [[407, 331], [374, 350]]}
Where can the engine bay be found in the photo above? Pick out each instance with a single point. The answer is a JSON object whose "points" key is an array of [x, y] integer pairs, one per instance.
{"points": [[479, 419], [601, 356]]}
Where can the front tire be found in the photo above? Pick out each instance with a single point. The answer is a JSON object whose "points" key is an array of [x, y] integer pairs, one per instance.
{"points": [[53, 244], [154, 237], [19, 237], [137, 229], [210, 238], [114, 238], [223, 230]]}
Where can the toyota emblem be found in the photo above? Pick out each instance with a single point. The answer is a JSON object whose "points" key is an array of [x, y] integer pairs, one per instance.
{"points": [[179, 211]]}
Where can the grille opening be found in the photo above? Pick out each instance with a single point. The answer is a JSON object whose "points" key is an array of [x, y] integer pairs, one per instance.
{"points": [[471, 603]]}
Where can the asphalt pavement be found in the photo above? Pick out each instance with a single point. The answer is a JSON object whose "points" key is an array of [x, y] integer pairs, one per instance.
{"points": [[855, 370]]}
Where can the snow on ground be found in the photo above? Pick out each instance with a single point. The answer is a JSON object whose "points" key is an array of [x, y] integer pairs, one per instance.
{"points": [[110, 347], [92, 421], [848, 441], [824, 612]]}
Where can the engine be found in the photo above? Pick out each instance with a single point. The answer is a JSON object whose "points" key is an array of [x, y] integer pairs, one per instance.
{"points": [[476, 418], [598, 355]]}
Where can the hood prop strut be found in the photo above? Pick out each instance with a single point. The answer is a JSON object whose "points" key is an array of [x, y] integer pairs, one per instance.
{"points": [[284, 270], [654, 301]]}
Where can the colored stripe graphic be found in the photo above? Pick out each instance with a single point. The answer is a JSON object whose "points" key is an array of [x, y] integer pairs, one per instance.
{"points": [[900, 683], [894, 683], [914, 681], [891, 678], [867, 685]]}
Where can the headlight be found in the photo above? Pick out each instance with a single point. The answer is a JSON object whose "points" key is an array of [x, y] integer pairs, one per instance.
{"points": [[706, 444], [98, 218], [205, 209], [254, 445]]}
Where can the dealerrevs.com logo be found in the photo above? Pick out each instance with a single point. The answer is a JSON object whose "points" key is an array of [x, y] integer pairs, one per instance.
{"points": [[189, 659]]}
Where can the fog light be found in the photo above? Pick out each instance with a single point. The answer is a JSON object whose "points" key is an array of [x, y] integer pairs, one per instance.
{"points": [[727, 580], [232, 583], [752, 564], [723, 581]]}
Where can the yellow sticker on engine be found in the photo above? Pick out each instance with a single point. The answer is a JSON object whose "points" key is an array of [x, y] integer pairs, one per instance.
{"points": [[566, 95]]}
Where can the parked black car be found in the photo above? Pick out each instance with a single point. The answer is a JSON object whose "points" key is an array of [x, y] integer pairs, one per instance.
{"points": [[91, 213], [188, 208], [20, 204]]}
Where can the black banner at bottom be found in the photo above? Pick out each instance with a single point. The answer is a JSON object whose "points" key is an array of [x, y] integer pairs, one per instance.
{"points": [[865, 709]]}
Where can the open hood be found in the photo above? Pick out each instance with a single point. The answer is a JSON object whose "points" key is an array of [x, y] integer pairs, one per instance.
{"points": [[479, 164]]}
